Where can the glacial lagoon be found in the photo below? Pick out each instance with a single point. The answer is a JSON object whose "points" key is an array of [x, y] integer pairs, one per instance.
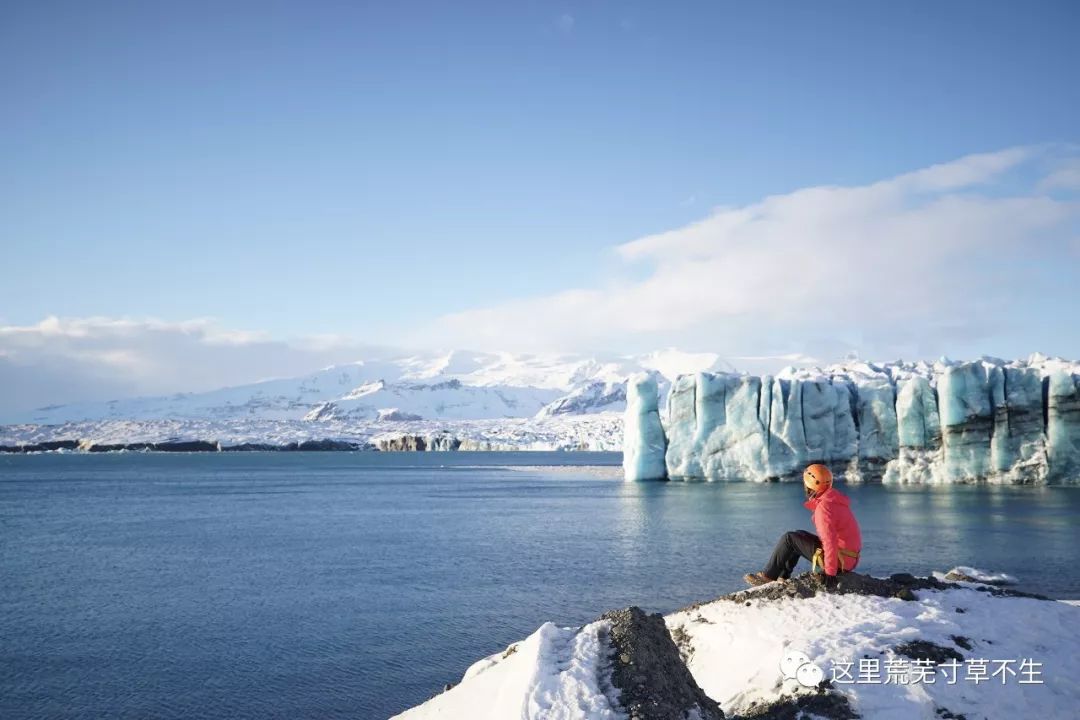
{"points": [[358, 584]]}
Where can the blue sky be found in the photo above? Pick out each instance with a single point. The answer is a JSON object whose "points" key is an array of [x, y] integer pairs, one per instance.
{"points": [[364, 169]]}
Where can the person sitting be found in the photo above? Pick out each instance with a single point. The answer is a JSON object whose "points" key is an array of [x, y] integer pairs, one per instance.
{"points": [[836, 545]]}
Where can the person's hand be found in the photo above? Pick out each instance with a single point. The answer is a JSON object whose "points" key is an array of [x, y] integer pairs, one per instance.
{"points": [[831, 582]]}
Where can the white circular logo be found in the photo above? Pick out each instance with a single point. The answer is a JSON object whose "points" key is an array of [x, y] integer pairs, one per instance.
{"points": [[796, 665]]}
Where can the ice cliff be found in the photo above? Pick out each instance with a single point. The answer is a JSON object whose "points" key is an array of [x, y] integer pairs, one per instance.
{"points": [[643, 459], [987, 420]]}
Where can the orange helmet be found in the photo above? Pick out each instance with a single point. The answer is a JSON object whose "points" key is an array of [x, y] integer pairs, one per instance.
{"points": [[816, 479]]}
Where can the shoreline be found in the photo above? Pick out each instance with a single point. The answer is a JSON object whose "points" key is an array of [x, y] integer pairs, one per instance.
{"points": [[405, 444]]}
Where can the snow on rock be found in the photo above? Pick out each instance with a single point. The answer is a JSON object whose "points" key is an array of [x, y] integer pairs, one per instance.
{"points": [[396, 415], [736, 646], [624, 666], [448, 400], [598, 396], [950, 422], [965, 573], [898, 647], [643, 436], [551, 675]]}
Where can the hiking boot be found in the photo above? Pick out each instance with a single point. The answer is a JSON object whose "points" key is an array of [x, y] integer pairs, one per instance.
{"points": [[758, 578]]}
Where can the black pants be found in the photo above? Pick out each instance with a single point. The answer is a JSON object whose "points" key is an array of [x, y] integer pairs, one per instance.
{"points": [[792, 546]]}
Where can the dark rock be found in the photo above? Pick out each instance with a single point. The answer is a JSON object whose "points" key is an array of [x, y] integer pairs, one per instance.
{"points": [[403, 443], [649, 671], [396, 415], [185, 446], [926, 650], [252, 447], [1009, 592], [326, 446], [831, 705], [419, 443], [682, 641], [47, 446], [961, 641], [135, 447], [946, 714], [810, 584], [853, 583], [59, 445]]}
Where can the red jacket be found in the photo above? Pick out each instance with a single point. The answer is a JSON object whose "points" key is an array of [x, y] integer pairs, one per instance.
{"points": [[837, 528]]}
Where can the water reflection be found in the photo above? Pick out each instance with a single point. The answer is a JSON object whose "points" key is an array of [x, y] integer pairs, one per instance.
{"points": [[731, 527]]}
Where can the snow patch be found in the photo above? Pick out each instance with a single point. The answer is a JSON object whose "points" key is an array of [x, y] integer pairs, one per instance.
{"points": [[965, 573], [554, 674]]}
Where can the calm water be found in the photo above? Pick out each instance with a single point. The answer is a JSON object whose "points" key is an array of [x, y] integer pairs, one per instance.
{"points": [[355, 585]]}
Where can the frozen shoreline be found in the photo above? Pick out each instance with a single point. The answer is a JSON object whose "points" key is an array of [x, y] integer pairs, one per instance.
{"points": [[601, 432]]}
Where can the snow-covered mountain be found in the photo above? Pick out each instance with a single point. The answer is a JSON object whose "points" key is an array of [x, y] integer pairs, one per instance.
{"points": [[455, 385]]}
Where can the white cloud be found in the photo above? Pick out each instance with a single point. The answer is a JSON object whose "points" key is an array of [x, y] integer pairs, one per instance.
{"points": [[945, 260], [910, 264], [1065, 176], [60, 360]]}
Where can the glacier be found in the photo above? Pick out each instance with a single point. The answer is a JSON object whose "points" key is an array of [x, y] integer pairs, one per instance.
{"points": [[643, 459], [988, 420]]}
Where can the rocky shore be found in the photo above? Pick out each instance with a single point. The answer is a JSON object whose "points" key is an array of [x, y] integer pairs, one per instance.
{"points": [[187, 446], [736, 657]]}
